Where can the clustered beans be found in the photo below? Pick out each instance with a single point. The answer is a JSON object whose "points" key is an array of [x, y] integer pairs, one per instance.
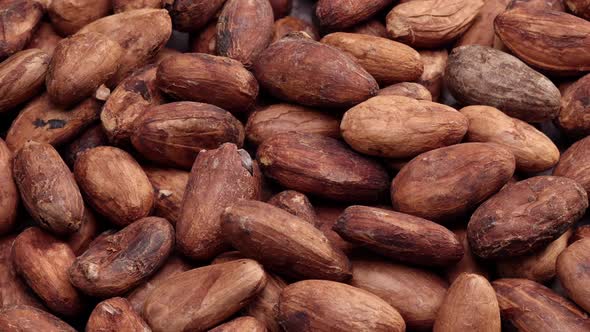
{"points": [[294, 165]]}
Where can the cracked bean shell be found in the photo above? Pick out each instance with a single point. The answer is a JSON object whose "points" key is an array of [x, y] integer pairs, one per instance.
{"points": [[42, 121], [322, 166], [219, 178], [142, 33], [326, 78], [210, 79], [43, 262], [48, 188], [386, 60], [173, 134], [199, 299], [116, 263], [22, 76], [446, 183], [321, 305], [401, 127], [128, 102], [399, 236], [525, 216], [479, 75], [283, 242], [114, 184]]}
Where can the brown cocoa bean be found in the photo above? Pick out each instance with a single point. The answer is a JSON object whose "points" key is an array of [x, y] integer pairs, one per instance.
{"points": [[399, 236], [533, 151], [22, 76], [48, 188], [282, 242], [449, 182], [218, 179], [35, 253], [470, 301], [417, 294], [328, 78], [29, 319], [173, 134], [525, 216], [208, 79], [386, 60], [401, 127], [19, 20], [42, 121], [340, 14], [142, 246], [128, 102], [114, 184], [244, 29], [142, 32], [283, 118], [321, 305], [478, 75], [530, 306], [322, 166], [191, 15], [202, 298]]}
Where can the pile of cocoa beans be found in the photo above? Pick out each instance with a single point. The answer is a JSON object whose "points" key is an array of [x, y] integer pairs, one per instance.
{"points": [[294, 165]]}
